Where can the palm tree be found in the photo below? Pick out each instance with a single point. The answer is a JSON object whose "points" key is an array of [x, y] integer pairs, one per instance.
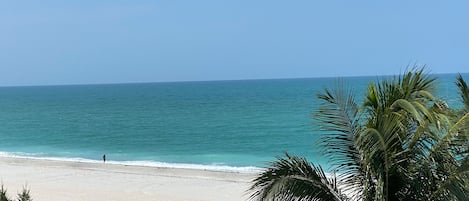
{"points": [[401, 144], [23, 196]]}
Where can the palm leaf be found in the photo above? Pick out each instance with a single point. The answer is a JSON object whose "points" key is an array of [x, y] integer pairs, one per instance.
{"points": [[463, 91], [454, 186], [293, 178], [338, 117]]}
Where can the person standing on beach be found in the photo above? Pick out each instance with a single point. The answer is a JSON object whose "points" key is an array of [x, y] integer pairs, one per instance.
{"points": [[104, 158]]}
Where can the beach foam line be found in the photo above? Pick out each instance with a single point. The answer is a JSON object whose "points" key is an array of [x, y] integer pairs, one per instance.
{"points": [[156, 164]]}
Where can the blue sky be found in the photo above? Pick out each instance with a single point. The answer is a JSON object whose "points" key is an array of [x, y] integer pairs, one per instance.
{"points": [[78, 42]]}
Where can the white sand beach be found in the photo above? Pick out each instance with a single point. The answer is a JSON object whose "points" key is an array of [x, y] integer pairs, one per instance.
{"points": [[77, 181]]}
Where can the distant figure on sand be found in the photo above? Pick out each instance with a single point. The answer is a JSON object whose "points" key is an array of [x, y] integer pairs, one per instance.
{"points": [[104, 158]]}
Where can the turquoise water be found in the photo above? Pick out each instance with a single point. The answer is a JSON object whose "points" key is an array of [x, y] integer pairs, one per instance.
{"points": [[223, 125]]}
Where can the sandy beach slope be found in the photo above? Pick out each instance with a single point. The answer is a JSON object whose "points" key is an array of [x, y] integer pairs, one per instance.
{"points": [[76, 181]]}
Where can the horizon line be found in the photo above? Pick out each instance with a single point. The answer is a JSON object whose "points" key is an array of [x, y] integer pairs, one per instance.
{"points": [[214, 80]]}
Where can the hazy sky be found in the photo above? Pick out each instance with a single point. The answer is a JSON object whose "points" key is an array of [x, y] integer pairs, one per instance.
{"points": [[89, 41]]}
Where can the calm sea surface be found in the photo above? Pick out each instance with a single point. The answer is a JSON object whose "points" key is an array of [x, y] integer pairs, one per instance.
{"points": [[219, 125]]}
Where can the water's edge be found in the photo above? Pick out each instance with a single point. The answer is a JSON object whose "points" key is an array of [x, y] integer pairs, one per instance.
{"points": [[155, 164]]}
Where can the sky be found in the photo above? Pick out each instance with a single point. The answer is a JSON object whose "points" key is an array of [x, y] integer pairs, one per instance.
{"points": [[48, 42]]}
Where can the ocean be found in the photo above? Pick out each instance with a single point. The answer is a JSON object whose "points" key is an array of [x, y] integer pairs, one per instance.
{"points": [[234, 126]]}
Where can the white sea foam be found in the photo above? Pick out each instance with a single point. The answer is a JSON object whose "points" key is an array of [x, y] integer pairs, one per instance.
{"points": [[217, 168]]}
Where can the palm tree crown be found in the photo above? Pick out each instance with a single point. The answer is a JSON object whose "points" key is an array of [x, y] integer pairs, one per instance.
{"points": [[400, 144]]}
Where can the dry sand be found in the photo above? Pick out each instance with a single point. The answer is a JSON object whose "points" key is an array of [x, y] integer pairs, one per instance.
{"points": [[73, 181]]}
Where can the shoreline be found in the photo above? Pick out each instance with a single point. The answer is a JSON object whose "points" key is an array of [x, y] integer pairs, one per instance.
{"points": [[144, 163], [68, 180]]}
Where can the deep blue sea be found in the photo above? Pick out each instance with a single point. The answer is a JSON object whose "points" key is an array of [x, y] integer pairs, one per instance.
{"points": [[216, 125]]}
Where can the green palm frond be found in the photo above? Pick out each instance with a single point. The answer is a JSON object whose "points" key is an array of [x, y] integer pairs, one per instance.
{"points": [[439, 170], [455, 140], [378, 144], [452, 150], [413, 85], [25, 194], [3, 193], [453, 187], [415, 80], [463, 91], [338, 117], [293, 178]]}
